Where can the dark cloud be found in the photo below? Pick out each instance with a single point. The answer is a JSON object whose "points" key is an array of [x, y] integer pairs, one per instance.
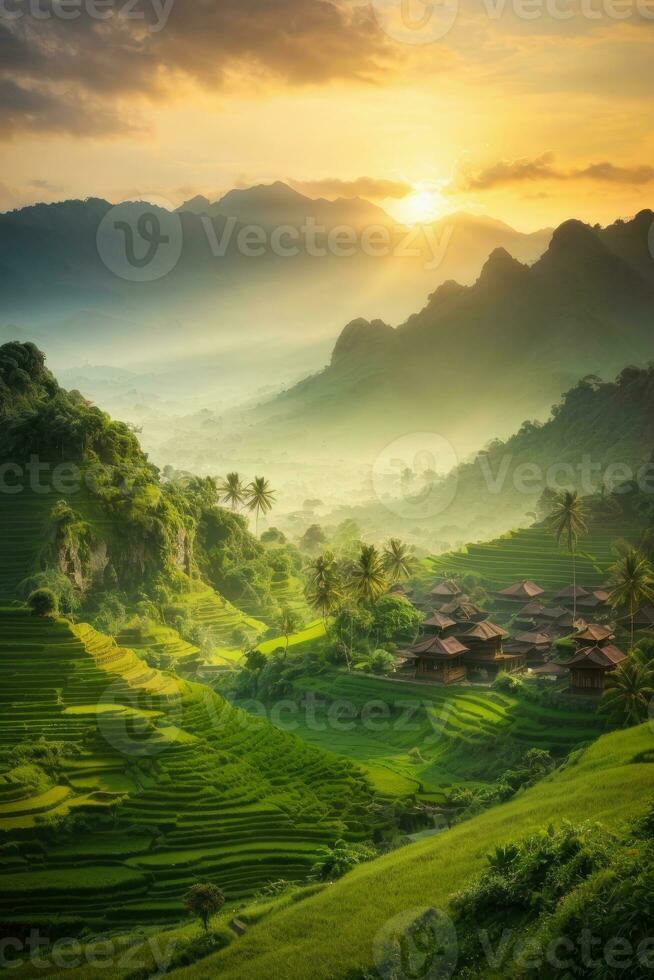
{"points": [[608, 172], [369, 187], [543, 168], [148, 52], [42, 109]]}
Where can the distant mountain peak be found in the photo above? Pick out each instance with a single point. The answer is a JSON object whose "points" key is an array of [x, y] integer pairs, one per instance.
{"points": [[501, 267], [197, 205], [361, 336]]}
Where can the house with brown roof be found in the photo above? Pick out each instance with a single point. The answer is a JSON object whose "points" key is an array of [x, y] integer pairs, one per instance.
{"points": [[593, 634], [523, 591], [435, 659], [484, 641], [551, 670], [464, 611], [534, 645], [596, 600], [589, 668], [438, 622], [531, 613], [572, 592], [446, 590]]}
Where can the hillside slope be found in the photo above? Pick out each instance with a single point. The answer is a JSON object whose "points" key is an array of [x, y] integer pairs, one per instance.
{"points": [[120, 785], [612, 781], [514, 340]]}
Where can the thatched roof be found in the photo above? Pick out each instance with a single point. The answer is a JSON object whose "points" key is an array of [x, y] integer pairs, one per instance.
{"points": [[522, 590], [594, 633], [484, 631], [605, 658], [435, 646], [572, 591], [439, 621], [446, 588]]}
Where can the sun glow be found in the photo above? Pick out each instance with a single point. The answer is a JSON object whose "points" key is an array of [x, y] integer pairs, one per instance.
{"points": [[420, 207]]}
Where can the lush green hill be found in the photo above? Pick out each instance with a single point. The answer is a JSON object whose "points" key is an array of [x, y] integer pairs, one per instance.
{"points": [[595, 436], [416, 738], [532, 553], [612, 781], [143, 784]]}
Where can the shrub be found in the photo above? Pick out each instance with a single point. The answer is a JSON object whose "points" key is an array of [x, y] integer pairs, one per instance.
{"points": [[341, 858], [43, 602], [507, 683], [204, 900]]}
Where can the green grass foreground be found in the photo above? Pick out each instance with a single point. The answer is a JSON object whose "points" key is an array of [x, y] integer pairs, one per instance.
{"points": [[332, 933]]}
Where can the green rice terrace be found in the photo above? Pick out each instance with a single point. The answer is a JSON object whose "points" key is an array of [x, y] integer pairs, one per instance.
{"points": [[612, 781], [145, 784], [532, 553], [423, 739]]}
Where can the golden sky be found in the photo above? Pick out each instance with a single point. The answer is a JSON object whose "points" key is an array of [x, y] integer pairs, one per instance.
{"points": [[531, 111]]}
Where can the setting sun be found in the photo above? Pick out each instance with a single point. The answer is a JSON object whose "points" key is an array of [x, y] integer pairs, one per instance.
{"points": [[419, 207]]}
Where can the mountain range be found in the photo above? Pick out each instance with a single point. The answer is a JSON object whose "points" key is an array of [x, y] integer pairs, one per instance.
{"points": [[243, 320], [479, 359]]}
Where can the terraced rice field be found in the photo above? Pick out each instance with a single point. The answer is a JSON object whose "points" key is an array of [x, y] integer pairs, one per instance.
{"points": [[532, 553], [420, 738], [171, 783], [210, 610]]}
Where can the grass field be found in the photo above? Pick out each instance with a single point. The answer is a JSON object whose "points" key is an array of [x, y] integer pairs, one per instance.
{"points": [[417, 738], [172, 784], [332, 933], [532, 553]]}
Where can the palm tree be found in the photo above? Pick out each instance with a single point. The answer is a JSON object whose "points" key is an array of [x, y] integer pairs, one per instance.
{"points": [[323, 567], [632, 585], [629, 691], [368, 576], [323, 590], [233, 490], [398, 560], [289, 622], [259, 498], [568, 522]]}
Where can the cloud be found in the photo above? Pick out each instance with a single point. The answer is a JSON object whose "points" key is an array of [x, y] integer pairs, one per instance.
{"points": [[37, 108], [543, 168], [144, 55], [376, 188]]}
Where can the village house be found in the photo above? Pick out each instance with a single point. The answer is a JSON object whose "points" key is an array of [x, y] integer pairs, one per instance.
{"points": [[589, 667], [436, 659], [484, 642], [520, 592], [533, 645]]}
